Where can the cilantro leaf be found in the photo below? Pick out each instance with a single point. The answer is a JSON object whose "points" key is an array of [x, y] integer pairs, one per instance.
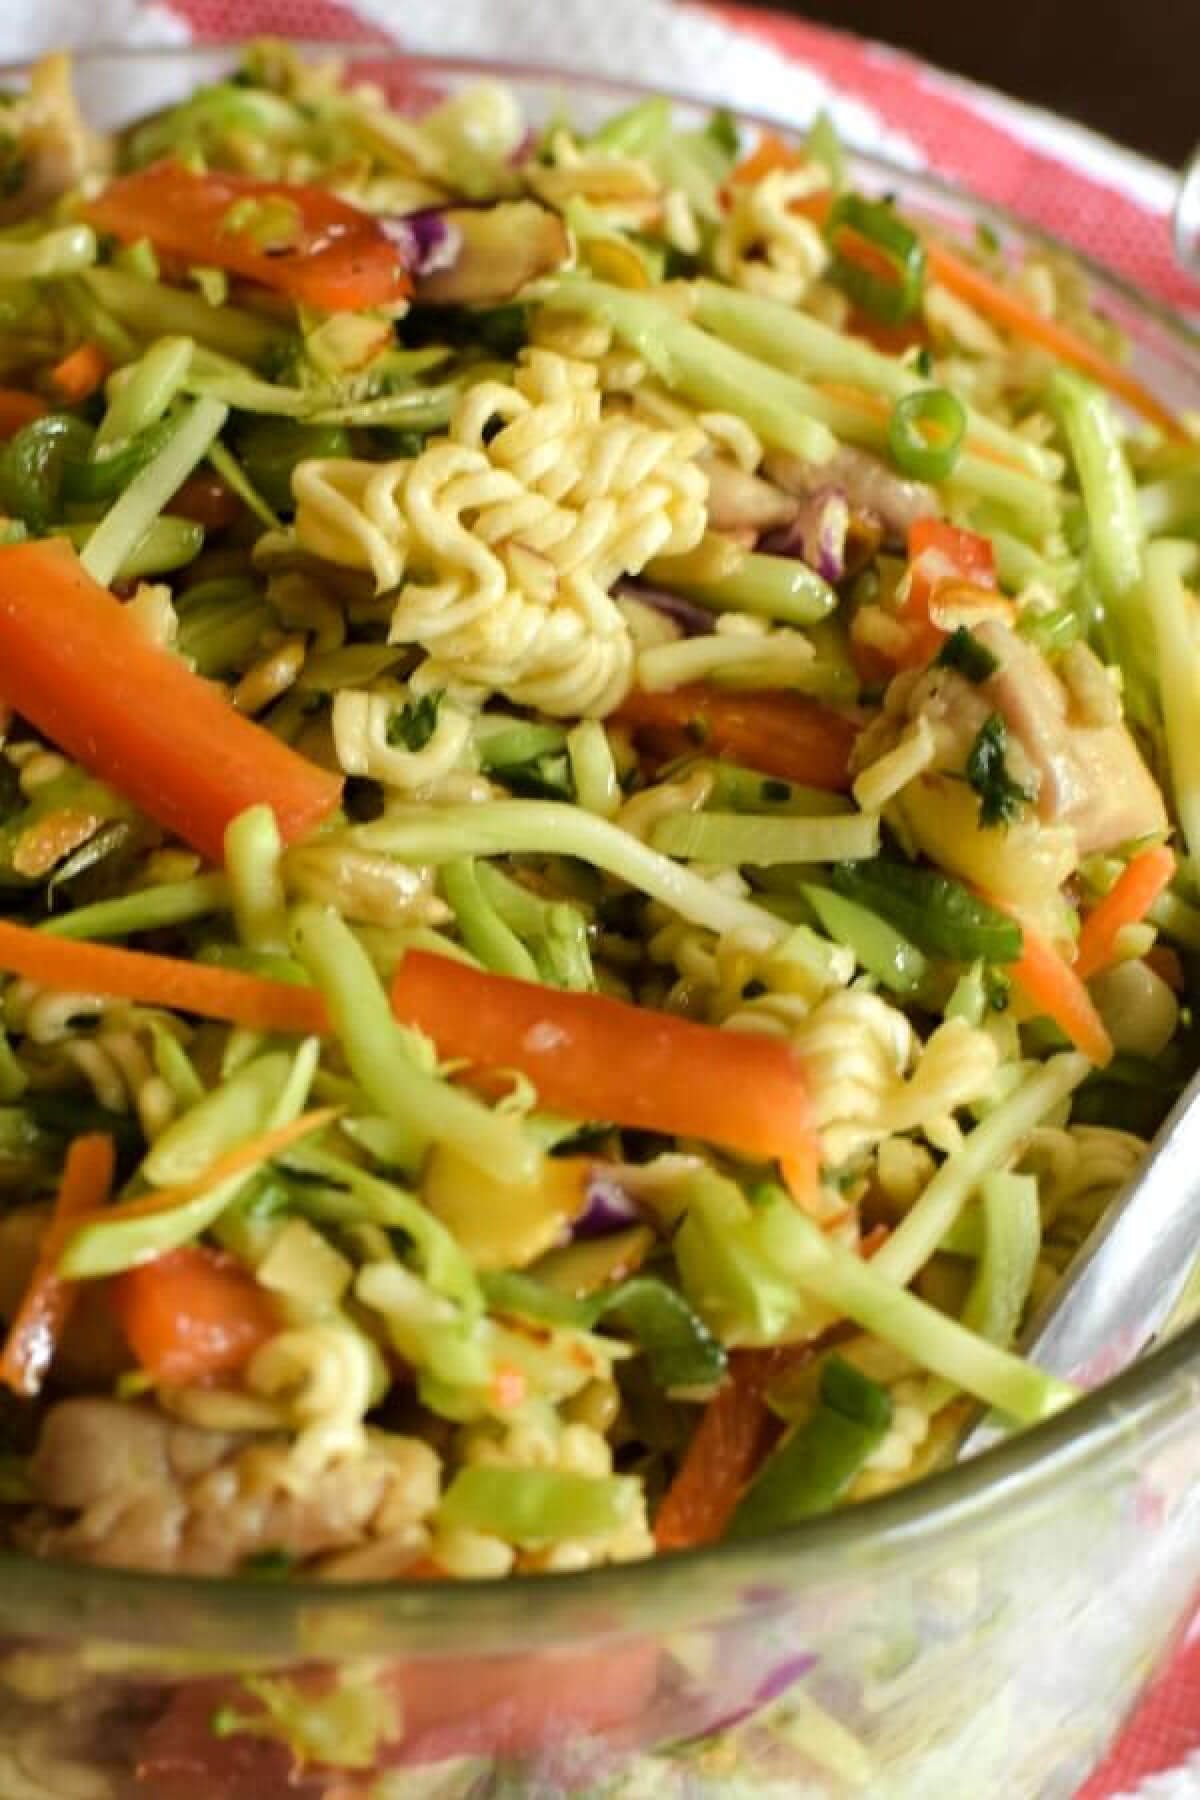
{"points": [[415, 723], [1000, 797], [963, 651]]}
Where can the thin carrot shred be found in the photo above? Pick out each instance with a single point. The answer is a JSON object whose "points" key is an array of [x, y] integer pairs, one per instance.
{"points": [[1016, 315], [235, 1162], [76, 966], [41, 1319], [1055, 988], [1126, 903]]}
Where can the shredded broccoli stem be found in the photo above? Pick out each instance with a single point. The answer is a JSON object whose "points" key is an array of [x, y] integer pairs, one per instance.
{"points": [[126, 523], [62, 252], [547, 826], [801, 344], [146, 909], [922, 1229], [730, 838], [253, 850], [151, 308], [1109, 494], [861, 1291], [1172, 611], [141, 394], [382, 1062], [784, 411]]}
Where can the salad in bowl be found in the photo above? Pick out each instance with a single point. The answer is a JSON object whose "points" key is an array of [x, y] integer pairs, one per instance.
{"points": [[598, 783]]}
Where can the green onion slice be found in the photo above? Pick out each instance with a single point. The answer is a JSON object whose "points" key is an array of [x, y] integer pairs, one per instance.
{"points": [[913, 450]]}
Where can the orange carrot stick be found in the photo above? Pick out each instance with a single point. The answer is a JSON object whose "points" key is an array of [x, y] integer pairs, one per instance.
{"points": [[37, 1329], [75, 966], [75, 664], [80, 373], [1126, 903]]}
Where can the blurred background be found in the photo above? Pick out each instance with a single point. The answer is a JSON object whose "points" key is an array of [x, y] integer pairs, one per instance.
{"points": [[1128, 68]]}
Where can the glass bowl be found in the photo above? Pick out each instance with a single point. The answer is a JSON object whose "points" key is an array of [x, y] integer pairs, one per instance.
{"points": [[977, 1637]]}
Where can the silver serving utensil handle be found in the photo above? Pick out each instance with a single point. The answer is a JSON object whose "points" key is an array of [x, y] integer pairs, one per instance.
{"points": [[1125, 1282]]}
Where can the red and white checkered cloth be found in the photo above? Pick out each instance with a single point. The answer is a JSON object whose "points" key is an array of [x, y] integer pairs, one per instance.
{"points": [[1087, 191]]}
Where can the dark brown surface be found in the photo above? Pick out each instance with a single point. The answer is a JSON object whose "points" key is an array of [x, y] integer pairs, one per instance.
{"points": [[1130, 68]]}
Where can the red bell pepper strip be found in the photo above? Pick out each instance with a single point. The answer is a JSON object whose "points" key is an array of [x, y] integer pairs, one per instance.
{"points": [[73, 662], [735, 1433], [939, 554], [779, 733], [593, 1057], [192, 1314], [301, 241], [37, 1329]]}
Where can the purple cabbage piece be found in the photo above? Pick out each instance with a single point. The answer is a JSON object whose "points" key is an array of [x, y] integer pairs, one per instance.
{"points": [[692, 619], [817, 535], [609, 1207], [427, 240], [772, 1686]]}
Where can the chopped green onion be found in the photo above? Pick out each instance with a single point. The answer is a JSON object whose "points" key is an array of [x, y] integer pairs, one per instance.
{"points": [[894, 297], [816, 1463], [908, 433], [941, 917], [801, 344]]}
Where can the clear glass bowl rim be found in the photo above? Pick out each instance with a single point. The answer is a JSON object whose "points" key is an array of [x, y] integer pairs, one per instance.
{"points": [[1027, 1470]]}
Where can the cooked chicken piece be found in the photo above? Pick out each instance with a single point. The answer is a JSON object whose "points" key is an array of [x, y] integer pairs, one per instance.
{"points": [[1067, 745], [45, 146], [740, 501], [149, 1493], [868, 484], [1092, 777]]}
